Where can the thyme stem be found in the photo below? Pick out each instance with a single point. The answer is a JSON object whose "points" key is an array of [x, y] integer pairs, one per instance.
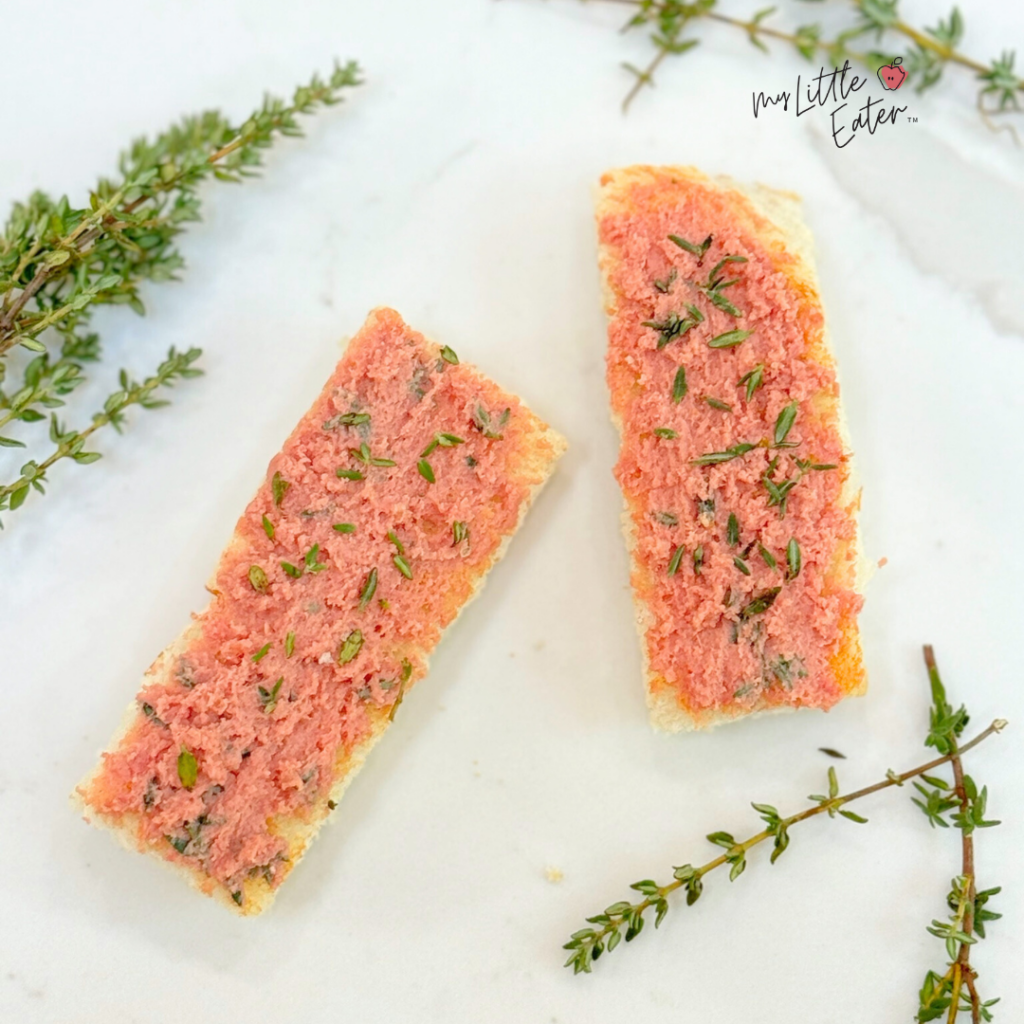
{"points": [[588, 944]]}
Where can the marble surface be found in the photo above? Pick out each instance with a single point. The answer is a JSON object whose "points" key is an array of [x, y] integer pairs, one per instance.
{"points": [[456, 186]]}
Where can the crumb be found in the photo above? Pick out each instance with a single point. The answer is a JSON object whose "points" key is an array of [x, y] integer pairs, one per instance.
{"points": [[553, 875], [539, 645], [883, 561]]}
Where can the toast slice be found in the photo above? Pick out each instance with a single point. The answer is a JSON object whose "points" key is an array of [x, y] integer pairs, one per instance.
{"points": [[740, 506], [374, 525]]}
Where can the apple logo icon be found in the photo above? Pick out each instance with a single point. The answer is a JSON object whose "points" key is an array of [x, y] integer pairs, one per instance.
{"points": [[892, 75]]}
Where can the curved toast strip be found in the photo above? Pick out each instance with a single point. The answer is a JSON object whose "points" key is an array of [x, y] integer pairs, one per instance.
{"points": [[724, 391], [374, 525]]}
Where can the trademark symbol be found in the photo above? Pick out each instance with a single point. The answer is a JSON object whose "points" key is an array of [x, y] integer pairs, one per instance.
{"points": [[912, 120]]}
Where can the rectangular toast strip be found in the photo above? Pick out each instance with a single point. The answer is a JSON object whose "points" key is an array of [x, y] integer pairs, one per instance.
{"points": [[375, 524], [740, 511]]}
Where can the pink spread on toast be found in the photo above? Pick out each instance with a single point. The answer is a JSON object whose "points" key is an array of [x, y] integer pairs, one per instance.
{"points": [[266, 751], [727, 629]]}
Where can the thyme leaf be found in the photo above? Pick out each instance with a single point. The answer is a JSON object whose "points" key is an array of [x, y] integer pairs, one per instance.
{"points": [[369, 588], [188, 768], [350, 647], [677, 557], [729, 339], [679, 387], [690, 247]]}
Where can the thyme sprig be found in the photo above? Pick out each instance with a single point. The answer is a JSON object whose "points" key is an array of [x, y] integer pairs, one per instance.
{"points": [[954, 991], [963, 805], [59, 262], [70, 444], [931, 50]]}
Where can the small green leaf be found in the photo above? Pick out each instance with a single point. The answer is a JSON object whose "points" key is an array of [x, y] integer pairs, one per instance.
{"points": [[854, 817], [753, 380], [677, 557], [732, 530], [350, 647], [289, 645], [279, 486], [690, 247], [268, 528], [449, 356], [258, 579], [784, 422], [426, 470], [345, 527], [665, 432], [729, 339], [460, 531], [793, 559], [679, 386], [188, 768], [262, 652], [402, 566], [292, 570], [369, 588], [349, 474]]}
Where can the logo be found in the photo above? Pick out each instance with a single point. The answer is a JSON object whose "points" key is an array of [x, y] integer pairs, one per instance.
{"points": [[892, 75], [834, 92]]}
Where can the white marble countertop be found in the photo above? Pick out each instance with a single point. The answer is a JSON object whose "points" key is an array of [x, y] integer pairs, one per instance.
{"points": [[456, 186]]}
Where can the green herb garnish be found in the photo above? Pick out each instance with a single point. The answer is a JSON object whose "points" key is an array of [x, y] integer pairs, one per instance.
{"points": [[690, 247], [732, 530], [784, 423], [666, 432], [698, 559], [460, 531], [188, 768], [349, 474], [729, 339], [312, 560], [268, 528], [292, 570], [753, 380], [793, 559], [717, 403], [350, 647], [679, 387], [959, 803], [258, 579], [369, 587], [741, 565], [402, 566], [677, 557], [714, 458], [268, 698], [347, 419], [59, 263], [760, 604], [289, 645], [767, 556], [488, 427], [345, 527], [665, 518], [279, 486], [406, 675], [666, 283], [262, 652], [449, 356], [426, 470]]}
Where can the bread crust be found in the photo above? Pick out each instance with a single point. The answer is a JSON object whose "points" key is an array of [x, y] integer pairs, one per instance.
{"points": [[540, 449], [774, 217]]}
